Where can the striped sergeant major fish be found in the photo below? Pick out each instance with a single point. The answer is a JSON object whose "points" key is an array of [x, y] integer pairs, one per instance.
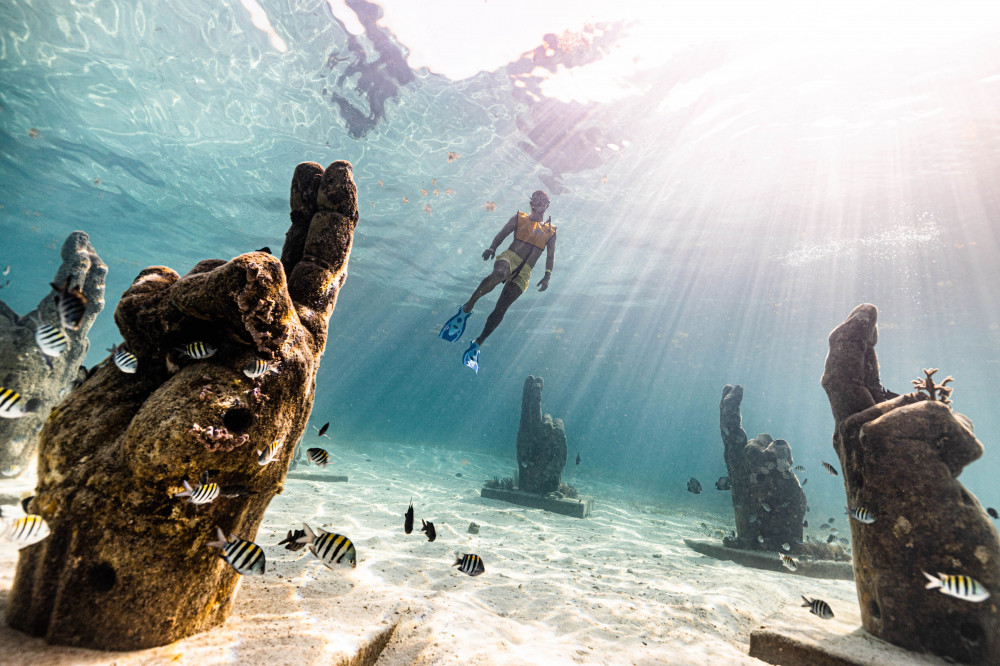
{"points": [[24, 531], [197, 350], [318, 457], [51, 341], [830, 469], [71, 305], [205, 493], [787, 562], [818, 607], [329, 548], [960, 587], [13, 405], [258, 368], [860, 514], [246, 557], [268, 454], [125, 360], [469, 564]]}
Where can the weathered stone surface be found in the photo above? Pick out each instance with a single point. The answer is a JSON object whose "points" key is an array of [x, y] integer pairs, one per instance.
{"points": [[541, 443], [45, 380], [760, 471], [900, 459], [127, 566], [792, 637], [813, 568], [578, 507]]}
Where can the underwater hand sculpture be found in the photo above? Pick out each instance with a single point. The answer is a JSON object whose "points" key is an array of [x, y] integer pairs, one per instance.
{"points": [[541, 443], [900, 460], [764, 487], [127, 566], [44, 379]]}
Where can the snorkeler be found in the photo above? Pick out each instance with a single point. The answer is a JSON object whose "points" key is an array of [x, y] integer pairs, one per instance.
{"points": [[513, 268]]}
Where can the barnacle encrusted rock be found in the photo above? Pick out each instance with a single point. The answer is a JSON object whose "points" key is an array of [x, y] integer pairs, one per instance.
{"points": [[127, 565], [46, 380], [901, 457], [760, 472]]}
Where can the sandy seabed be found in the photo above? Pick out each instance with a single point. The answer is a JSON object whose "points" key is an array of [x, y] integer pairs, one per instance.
{"points": [[619, 587]]}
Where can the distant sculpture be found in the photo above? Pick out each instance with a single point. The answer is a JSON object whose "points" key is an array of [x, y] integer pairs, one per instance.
{"points": [[767, 499], [43, 379], [541, 443], [127, 566], [901, 458]]}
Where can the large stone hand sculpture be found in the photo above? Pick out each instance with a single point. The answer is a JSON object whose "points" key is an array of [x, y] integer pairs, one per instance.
{"points": [[43, 379], [760, 473], [901, 458], [127, 565], [541, 443]]}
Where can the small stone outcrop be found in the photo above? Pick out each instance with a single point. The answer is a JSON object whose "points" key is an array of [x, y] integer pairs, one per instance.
{"points": [[41, 379], [768, 501], [541, 443], [901, 457], [127, 565]]}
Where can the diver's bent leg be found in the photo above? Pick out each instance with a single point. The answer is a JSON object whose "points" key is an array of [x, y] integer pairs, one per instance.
{"points": [[510, 293], [501, 269]]}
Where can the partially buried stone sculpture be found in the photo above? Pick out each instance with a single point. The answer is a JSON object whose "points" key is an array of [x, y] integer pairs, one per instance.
{"points": [[768, 501], [901, 456], [40, 358], [541, 443], [127, 566]]}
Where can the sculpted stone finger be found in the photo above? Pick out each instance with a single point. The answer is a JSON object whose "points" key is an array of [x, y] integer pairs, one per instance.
{"points": [[851, 377]]}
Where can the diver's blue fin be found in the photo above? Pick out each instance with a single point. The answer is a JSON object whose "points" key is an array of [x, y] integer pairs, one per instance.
{"points": [[471, 357], [454, 327]]}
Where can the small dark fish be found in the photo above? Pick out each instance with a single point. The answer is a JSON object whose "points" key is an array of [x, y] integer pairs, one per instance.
{"points": [[265, 249], [469, 564], [694, 486], [753, 518], [799, 468], [429, 530], [25, 502], [81, 376], [787, 562], [323, 429], [291, 542], [723, 483], [804, 482], [577, 462], [408, 520], [829, 469], [236, 490], [889, 395], [71, 305], [805, 523], [318, 457], [831, 538], [993, 513], [818, 607], [766, 506]]}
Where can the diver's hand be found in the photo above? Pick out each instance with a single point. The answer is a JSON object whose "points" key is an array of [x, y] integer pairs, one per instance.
{"points": [[489, 253], [543, 284]]}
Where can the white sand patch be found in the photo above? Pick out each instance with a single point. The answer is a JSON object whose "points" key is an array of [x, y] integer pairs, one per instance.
{"points": [[619, 587]]}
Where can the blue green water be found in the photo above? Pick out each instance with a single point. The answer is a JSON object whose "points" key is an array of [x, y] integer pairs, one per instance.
{"points": [[705, 238]]}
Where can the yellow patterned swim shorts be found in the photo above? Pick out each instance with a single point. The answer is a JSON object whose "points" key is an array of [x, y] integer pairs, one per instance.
{"points": [[522, 278]]}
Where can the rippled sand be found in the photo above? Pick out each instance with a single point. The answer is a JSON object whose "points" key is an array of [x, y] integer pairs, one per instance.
{"points": [[617, 588]]}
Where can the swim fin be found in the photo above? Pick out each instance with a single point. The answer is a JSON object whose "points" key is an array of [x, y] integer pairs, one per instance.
{"points": [[471, 357], [454, 327]]}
